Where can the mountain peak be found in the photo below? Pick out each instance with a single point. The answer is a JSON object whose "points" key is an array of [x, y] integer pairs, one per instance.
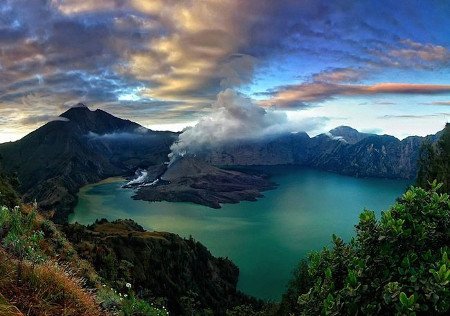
{"points": [[343, 129], [80, 105], [349, 134], [98, 121]]}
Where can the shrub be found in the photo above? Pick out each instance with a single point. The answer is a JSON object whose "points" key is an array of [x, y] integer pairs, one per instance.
{"points": [[397, 265]]}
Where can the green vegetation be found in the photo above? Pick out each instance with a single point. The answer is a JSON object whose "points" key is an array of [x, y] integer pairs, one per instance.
{"points": [[434, 162], [42, 274], [396, 265], [30, 276], [8, 195]]}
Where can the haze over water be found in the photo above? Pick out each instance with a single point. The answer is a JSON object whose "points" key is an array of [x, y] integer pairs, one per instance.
{"points": [[267, 238]]}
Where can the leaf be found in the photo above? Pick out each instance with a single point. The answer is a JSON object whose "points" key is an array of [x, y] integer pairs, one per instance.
{"points": [[404, 299]]}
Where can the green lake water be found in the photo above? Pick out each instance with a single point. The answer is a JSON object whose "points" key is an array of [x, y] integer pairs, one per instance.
{"points": [[266, 238]]}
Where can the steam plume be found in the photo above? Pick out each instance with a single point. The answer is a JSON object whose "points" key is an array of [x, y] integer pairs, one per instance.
{"points": [[233, 117]]}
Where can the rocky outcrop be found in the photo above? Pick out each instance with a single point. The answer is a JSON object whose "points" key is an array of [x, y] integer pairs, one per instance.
{"points": [[158, 265]]}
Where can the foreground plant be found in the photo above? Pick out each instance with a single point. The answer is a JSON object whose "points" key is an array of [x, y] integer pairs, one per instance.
{"points": [[397, 265]]}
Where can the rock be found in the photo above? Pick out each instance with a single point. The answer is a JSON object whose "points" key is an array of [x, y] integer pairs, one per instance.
{"points": [[189, 179]]}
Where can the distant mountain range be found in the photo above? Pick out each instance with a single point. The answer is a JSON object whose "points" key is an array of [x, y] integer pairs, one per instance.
{"points": [[85, 146], [342, 150]]}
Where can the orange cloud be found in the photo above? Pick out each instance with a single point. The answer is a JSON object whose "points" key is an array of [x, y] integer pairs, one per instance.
{"points": [[298, 95], [412, 54]]}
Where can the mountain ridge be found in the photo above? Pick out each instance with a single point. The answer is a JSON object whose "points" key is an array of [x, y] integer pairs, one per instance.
{"points": [[86, 146]]}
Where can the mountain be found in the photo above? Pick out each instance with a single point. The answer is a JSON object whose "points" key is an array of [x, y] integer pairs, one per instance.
{"points": [[82, 147], [350, 135], [342, 150], [189, 179]]}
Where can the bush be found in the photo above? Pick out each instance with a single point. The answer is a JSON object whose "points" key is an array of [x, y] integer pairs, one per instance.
{"points": [[397, 265]]}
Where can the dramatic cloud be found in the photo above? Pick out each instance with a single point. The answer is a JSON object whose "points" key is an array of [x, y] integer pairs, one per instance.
{"points": [[166, 60], [339, 75]]}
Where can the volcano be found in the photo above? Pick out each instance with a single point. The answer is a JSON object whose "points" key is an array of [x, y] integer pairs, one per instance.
{"points": [[191, 180]]}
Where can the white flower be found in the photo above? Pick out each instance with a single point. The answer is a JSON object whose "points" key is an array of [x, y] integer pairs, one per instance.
{"points": [[125, 295], [128, 285]]}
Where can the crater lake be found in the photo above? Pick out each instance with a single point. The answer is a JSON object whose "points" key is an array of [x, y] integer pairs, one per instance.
{"points": [[265, 239]]}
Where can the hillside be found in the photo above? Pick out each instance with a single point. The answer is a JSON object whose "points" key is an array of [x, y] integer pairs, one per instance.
{"points": [[85, 146], [163, 266], [108, 268], [434, 163]]}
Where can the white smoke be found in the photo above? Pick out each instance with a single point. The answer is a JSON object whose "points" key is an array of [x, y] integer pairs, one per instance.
{"points": [[140, 179], [233, 117]]}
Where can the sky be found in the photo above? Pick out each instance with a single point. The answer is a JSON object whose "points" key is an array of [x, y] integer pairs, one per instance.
{"points": [[378, 66]]}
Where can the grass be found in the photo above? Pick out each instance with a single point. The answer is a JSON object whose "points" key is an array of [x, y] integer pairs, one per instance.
{"points": [[6, 309], [45, 289], [36, 268]]}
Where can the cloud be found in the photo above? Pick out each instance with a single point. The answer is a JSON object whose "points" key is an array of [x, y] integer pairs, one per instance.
{"points": [[411, 54], [153, 60], [444, 103], [35, 120], [235, 117], [300, 95], [424, 116], [339, 75]]}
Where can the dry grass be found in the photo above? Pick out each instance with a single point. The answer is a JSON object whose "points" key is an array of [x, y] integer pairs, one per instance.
{"points": [[46, 289], [6, 309]]}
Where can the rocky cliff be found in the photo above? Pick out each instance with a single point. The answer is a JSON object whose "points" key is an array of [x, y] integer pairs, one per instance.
{"points": [[159, 265], [343, 150]]}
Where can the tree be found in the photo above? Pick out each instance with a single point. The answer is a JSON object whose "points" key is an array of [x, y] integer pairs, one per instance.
{"points": [[434, 162], [396, 265]]}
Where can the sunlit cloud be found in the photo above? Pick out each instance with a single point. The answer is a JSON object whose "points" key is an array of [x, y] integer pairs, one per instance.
{"points": [[302, 94], [166, 60]]}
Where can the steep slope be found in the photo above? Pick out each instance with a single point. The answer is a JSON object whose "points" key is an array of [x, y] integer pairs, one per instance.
{"points": [[434, 163], [160, 265], [272, 150], [373, 156], [343, 150], [85, 146]]}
